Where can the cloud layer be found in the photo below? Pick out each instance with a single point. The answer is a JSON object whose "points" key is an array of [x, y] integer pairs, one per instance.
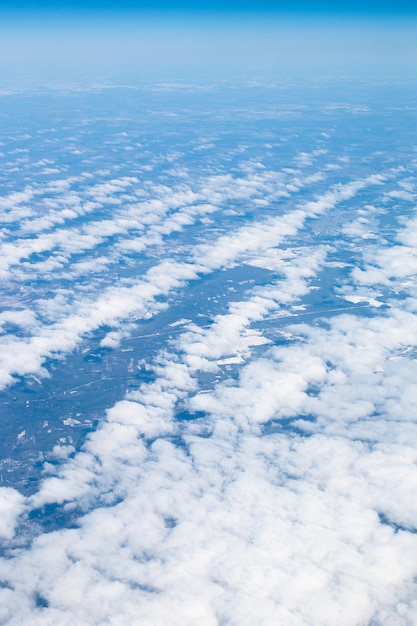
{"points": [[257, 463]]}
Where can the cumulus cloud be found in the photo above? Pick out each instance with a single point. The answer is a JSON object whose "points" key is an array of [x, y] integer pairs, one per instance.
{"points": [[254, 522], [261, 468], [11, 506], [118, 303]]}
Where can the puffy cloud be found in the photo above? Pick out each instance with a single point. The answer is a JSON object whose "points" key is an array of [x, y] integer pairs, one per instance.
{"points": [[263, 471], [11, 506], [118, 303], [254, 523]]}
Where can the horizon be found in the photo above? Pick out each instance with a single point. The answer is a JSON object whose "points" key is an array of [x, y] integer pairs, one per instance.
{"points": [[183, 43]]}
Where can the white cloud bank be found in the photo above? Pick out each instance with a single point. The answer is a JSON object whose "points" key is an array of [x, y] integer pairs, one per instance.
{"points": [[27, 356], [253, 480], [234, 518], [244, 526]]}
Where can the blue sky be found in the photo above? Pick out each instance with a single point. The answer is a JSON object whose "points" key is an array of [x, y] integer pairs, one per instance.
{"points": [[374, 7], [182, 36], [292, 7]]}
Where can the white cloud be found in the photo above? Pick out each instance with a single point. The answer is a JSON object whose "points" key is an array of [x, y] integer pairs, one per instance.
{"points": [[11, 506], [249, 482], [246, 526], [385, 265], [118, 303]]}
